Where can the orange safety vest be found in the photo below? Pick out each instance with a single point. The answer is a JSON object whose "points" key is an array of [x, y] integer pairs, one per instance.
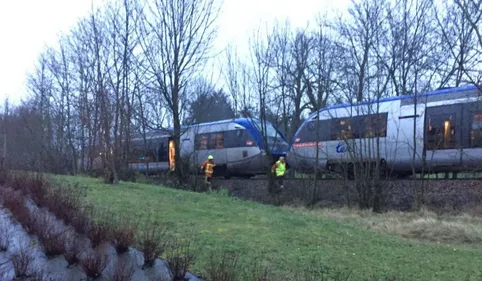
{"points": [[208, 167]]}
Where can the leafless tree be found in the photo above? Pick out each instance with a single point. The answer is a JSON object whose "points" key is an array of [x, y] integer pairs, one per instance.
{"points": [[471, 11], [177, 37], [236, 75]]}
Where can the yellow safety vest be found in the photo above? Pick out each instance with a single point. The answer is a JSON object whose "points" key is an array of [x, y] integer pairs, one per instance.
{"points": [[280, 168]]}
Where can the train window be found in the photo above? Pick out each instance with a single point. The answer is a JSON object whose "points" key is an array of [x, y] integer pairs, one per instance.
{"points": [[374, 125], [238, 138], [476, 131], [201, 141], [441, 132], [209, 141], [308, 132], [341, 129], [216, 141]]}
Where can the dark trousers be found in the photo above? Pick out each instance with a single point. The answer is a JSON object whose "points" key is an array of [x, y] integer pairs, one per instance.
{"points": [[280, 179]]}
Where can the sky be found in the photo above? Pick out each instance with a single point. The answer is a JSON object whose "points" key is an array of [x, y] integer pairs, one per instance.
{"points": [[27, 26]]}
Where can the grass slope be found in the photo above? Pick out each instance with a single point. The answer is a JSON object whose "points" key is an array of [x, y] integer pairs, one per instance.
{"points": [[287, 239]]}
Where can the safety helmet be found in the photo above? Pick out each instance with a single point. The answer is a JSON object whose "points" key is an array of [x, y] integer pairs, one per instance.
{"points": [[210, 157]]}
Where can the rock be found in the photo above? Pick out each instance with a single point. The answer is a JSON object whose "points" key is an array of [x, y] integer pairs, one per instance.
{"points": [[159, 271]]}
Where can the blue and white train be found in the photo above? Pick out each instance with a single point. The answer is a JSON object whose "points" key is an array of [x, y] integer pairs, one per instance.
{"points": [[439, 131], [236, 144]]}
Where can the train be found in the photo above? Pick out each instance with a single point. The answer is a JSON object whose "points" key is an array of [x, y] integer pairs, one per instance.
{"points": [[432, 132], [236, 144]]}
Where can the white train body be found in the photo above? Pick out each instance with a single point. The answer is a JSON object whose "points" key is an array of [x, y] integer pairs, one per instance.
{"points": [[437, 131]]}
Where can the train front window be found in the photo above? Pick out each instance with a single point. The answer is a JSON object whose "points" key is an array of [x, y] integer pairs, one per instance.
{"points": [[269, 130]]}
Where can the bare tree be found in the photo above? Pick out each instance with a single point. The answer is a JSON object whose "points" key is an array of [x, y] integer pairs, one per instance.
{"points": [[177, 37], [282, 61], [236, 75], [472, 13]]}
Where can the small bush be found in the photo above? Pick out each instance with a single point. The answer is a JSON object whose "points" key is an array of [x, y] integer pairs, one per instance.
{"points": [[223, 268], [81, 223], [51, 237], [152, 242], [5, 235], [182, 256], [123, 234], [95, 263], [99, 233], [72, 249], [11, 200], [123, 271], [22, 262], [16, 204]]}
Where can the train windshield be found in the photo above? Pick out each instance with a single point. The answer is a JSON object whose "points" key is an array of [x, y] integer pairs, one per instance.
{"points": [[269, 130], [275, 140]]}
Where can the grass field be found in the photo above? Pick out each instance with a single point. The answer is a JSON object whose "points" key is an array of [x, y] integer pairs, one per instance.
{"points": [[288, 239]]}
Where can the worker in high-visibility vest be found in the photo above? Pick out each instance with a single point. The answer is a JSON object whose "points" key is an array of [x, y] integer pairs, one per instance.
{"points": [[279, 169], [208, 167]]}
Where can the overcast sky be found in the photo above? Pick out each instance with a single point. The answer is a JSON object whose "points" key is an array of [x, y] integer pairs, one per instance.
{"points": [[26, 26]]}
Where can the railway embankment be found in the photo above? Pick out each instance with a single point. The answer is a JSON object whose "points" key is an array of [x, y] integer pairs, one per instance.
{"points": [[286, 240], [438, 195]]}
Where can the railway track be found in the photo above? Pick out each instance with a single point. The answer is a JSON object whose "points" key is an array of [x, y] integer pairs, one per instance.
{"points": [[331, 180], [264, 178]]}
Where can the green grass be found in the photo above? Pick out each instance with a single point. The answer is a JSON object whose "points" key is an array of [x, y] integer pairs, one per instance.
{"points": [[285, 238]]}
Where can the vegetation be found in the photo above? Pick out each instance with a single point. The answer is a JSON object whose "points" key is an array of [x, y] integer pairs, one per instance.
{"points": [[424, 225], [284, 239]]}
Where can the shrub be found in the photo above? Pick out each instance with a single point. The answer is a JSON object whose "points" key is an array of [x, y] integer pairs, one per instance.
{"points": [[11, 200], [95, 263], [152, 242], [223, 267], [51, 237], [22, 262], [182, 256], [72, 249], [81, 223], [99, 233], [14, 201], [123, 271], [5, 235], [123, 234]]}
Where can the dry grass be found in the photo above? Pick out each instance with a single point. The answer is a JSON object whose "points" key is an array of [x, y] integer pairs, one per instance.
{"points": [[424, 225]]}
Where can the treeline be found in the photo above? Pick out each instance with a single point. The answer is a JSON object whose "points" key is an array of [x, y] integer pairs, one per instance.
{"points": [[132, 66]]}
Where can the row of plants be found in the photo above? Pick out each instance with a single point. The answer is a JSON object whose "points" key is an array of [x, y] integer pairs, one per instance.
{"points": [[64, 226]]}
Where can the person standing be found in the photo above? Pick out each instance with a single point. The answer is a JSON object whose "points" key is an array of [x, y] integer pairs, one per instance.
{"points": [[208, 167], [279, 169]]}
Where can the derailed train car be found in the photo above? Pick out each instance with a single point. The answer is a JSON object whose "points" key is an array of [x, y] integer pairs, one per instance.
{"points": [[236, 144], [441, 128]]}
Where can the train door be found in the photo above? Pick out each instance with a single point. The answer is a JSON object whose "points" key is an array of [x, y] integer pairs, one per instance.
{"points": [[443, 136], [172, 154]]}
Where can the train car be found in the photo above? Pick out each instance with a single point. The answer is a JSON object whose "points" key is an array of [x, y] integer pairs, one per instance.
{"points": [[152, 153], [236, 144], [438, 131]]}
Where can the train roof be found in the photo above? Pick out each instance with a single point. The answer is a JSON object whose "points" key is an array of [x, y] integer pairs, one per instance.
{"points": [[437, 92], [241, 121]]}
